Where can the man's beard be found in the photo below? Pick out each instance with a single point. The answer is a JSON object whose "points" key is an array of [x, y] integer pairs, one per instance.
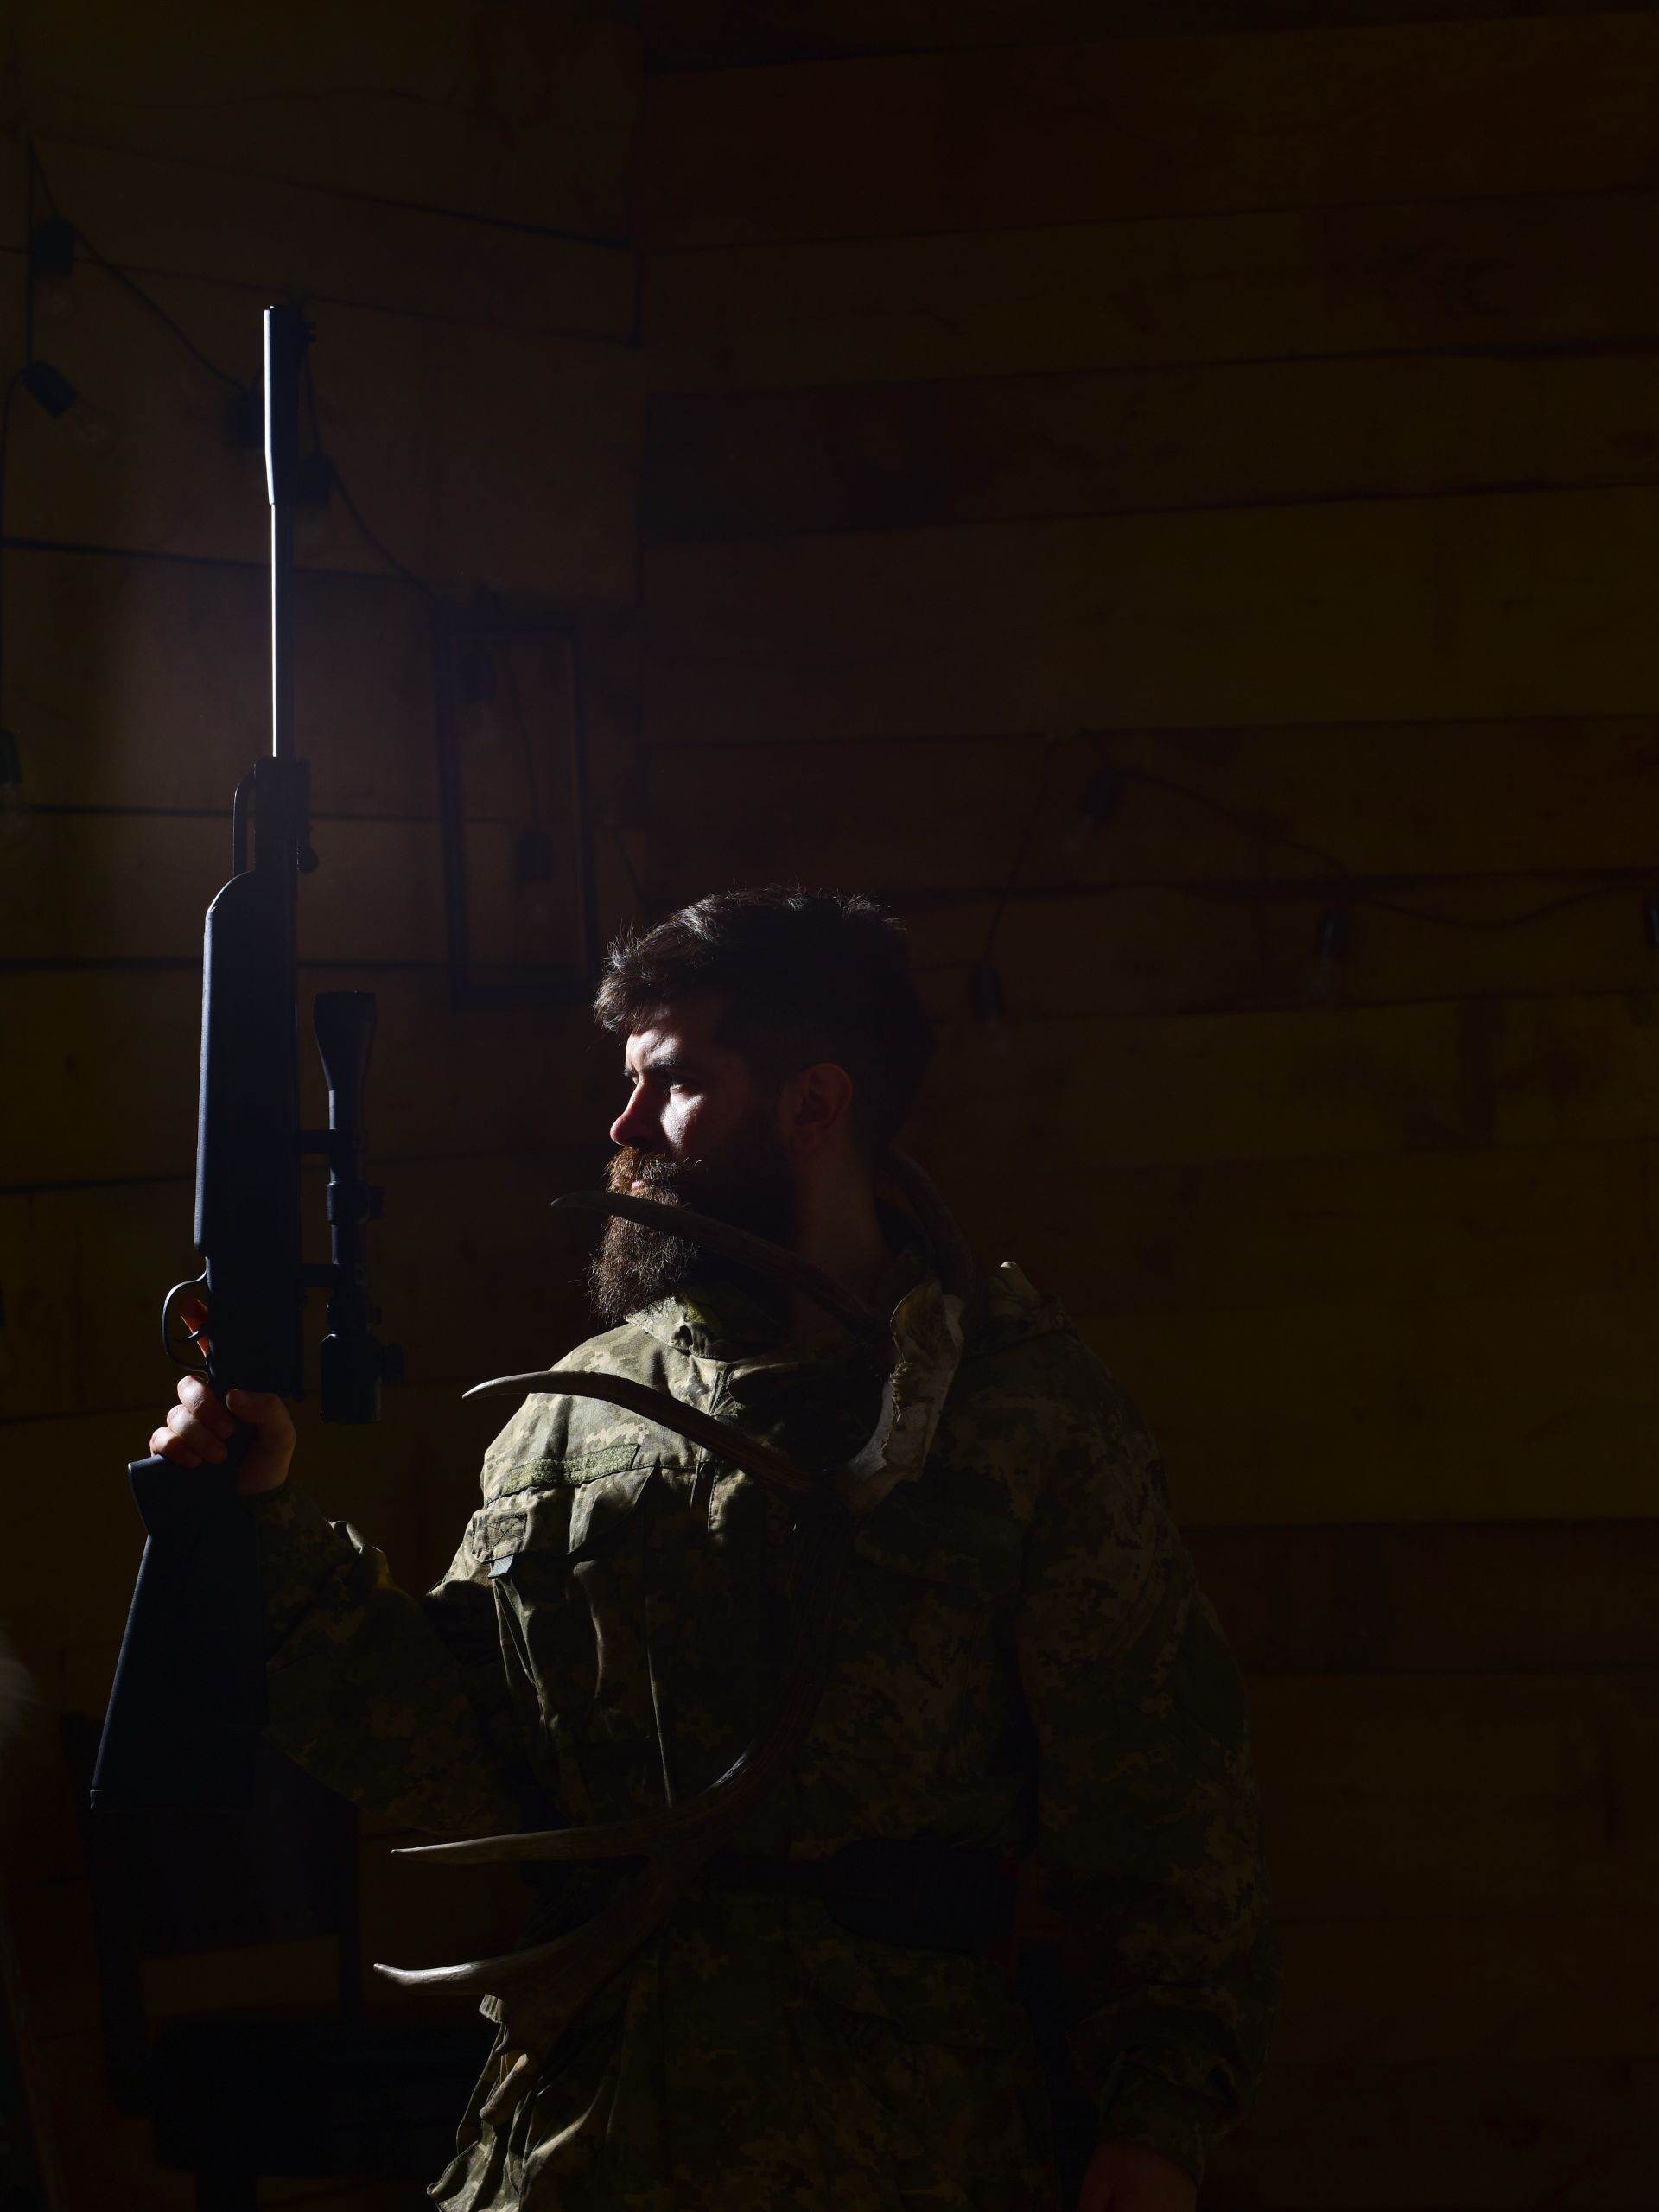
{"points": [[747, 1184]]}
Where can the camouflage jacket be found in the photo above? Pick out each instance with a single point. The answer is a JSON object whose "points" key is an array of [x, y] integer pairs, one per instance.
{"points": [[1023, 1660]]}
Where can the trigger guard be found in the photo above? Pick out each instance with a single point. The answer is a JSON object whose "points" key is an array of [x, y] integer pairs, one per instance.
{"points": [[191, 1282]]}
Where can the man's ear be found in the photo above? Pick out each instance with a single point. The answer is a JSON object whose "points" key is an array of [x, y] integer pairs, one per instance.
{"points": [[813, 1106]]}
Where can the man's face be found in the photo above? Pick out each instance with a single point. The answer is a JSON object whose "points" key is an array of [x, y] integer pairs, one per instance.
{"points": [[697, 1131]]}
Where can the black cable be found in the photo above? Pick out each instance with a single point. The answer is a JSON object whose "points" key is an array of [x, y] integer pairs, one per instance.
{"points": [[1501, 921], [614, 831], [12, 383], [1263, 829], [1055, 737], [113, 268], [337, 482], [28, 254], [524, 730], [385, 552]]}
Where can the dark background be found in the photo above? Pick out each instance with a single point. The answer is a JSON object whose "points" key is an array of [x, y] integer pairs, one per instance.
{"points": [[914, 412]]}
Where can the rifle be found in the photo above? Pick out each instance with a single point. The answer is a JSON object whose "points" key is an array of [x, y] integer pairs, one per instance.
{"points": [[187, 1702]]}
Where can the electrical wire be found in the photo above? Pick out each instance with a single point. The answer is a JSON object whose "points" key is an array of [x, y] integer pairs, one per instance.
{"points": [[1263, 829], [614, 831], [152, 305], [1055, 737], [12, 383], [519, 717]]}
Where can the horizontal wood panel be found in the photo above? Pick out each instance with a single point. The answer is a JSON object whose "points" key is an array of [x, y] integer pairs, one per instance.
{"points": [[947, 812], [147, 881], [1489, 1991], [377, 895], [1453, 1409], [887, 456], [1527, 606], [1242, 1235], [138, 683], [1446, 1597], [1368, 2138], [83, 1273], [727, 33], [156, 215], [1558, 270], [990, 140], [1450, 1795], [135, 682], [522, 116], [1188, 950], [508, 461], [1328, 1082], [114, 1056]]}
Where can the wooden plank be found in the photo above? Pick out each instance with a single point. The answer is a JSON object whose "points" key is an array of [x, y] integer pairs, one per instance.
{"points": [[1334, 1082], [1367, 2137], [1193, 948], [113, 1056], [145, 882], [1526, 1220], [82, 1273], [1453, 1796], [136, 683], [1572, 269], [1529, 606], [1328, 1083], [1453, 1409], [522, 116], [934, 813], [890, 456], [158, 215], [747, 34], [1489, 1991], [1118, 129], [1542, 1596], [413, 411]]}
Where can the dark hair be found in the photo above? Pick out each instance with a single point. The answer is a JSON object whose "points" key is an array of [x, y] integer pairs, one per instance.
{"points": [[806, 976]]}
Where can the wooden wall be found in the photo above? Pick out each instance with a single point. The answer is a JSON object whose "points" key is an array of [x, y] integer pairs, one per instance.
{"points": [[449, 183], [1263, 409]]}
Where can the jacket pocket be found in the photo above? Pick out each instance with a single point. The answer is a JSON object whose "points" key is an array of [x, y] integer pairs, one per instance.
{"points": [[567, 1572]]}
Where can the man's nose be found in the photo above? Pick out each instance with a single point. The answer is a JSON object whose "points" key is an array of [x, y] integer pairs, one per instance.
{"points": [[635, 1125]]}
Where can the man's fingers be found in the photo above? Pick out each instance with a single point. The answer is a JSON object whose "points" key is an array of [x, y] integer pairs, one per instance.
{"points": [[194, 1394], [262, 1410], [165, 1446], [194, 1436]]}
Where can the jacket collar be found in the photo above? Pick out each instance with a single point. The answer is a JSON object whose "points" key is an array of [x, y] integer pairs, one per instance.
{"points": [[729, 1320]]}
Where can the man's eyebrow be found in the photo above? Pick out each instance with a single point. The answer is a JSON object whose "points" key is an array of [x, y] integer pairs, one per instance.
{"points": [[664, 1063]]}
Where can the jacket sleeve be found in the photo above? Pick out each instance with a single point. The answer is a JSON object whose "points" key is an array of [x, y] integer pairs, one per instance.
{"points": [[398, 1702], [1148, 1843]]}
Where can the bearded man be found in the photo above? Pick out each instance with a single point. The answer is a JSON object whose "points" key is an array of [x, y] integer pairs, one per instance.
{"points": [[1023, 1677]]}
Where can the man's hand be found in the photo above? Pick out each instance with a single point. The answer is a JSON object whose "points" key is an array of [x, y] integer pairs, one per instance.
{"points": [[1129, 2177], [197, 1428]]}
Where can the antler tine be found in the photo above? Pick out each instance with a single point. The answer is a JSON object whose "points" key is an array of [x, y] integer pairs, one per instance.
{"points": [[773, 1261]]}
